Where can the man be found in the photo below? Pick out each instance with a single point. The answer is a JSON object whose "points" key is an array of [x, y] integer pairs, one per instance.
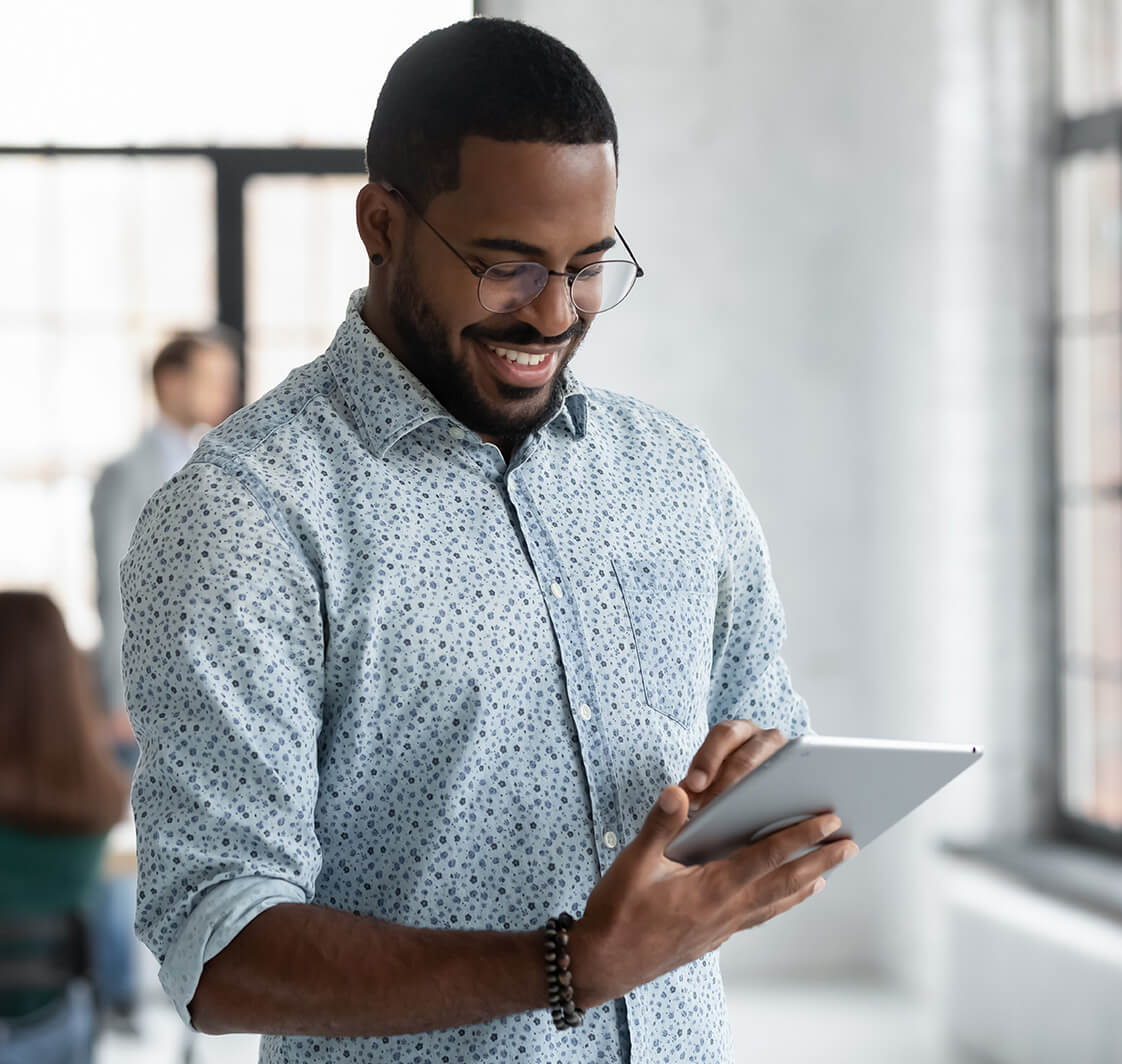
{"points": [[195, 377], [419, 644]]}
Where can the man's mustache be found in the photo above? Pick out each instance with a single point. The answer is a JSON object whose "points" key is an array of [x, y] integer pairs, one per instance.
{"points": [[526, 335]]}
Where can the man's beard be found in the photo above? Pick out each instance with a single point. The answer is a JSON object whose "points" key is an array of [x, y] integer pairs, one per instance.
{"points": [[430, 359]]}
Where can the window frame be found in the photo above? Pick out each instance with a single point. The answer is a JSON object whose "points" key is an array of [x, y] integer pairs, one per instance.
{"points": [[234, 167], [1100, 131]]}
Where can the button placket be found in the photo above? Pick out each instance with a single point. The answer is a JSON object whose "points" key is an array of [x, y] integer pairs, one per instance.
{"points": [[603, 796]]}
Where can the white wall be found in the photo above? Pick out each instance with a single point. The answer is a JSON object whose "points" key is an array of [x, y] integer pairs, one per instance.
{"points": [[841, 207]]}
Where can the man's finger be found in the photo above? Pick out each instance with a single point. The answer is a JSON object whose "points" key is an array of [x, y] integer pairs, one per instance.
{"points": [[741, 761], [721, 741], [768, 912], [757, 859], [664, 821]]}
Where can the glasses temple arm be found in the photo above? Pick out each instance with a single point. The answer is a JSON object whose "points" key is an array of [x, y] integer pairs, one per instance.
{"points": [[627, 246], [401, 195]]}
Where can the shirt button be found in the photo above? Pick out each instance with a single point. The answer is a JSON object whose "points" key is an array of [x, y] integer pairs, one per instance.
{"points": [[556, 589], [585, 711], [610, 839], [456, 432]]}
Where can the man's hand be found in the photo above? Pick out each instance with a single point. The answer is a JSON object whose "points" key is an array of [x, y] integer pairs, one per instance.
{"points": [[650, 915], [731, 750]]}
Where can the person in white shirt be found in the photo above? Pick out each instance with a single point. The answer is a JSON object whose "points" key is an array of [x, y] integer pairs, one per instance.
{"points": [[196, 377]]}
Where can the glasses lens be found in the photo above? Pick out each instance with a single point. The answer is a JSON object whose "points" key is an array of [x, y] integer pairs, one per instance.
{"points": [[507, 286], [603, 285]]}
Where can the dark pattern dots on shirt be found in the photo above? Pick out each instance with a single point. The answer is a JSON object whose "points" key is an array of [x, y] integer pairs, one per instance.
{"points": [[373, 666]]}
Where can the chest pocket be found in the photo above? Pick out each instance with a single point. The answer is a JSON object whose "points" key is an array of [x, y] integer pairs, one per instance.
{"points": [[671, 606]]}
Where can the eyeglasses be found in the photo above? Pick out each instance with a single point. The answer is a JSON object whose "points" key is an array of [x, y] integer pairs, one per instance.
{"points": [[509, 286]]}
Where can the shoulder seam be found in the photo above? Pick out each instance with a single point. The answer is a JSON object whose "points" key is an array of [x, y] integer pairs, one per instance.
{"points": [[245, 479]]}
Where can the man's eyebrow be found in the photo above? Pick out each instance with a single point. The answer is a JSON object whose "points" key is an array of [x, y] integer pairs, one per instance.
{"points": [[520, 247]]}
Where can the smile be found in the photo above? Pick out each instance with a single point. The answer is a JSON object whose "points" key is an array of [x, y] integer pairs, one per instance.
{"points": [[521, 358], [520, 369]]}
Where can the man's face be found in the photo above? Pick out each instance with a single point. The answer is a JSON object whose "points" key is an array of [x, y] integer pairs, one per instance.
{"points": [[547, 203], [211, 392]]}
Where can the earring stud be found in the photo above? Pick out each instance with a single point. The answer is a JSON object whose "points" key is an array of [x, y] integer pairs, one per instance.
{"points": [[377, 259]]}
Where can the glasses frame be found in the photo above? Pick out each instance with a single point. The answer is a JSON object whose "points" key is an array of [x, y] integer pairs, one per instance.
{"points": [[481, 271]]}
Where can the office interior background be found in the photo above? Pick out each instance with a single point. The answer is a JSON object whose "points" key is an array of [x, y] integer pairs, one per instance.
{"points": [[883, 247]]}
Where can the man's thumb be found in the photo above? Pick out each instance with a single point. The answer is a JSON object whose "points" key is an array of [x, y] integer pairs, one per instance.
{"points": [[666, 817]]}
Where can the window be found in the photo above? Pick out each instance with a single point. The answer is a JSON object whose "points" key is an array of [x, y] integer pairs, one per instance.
{"points": [[190, 177], [85, 298], [1088, 334]]}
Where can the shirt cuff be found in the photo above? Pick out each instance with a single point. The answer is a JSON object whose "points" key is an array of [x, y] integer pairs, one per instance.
{"points": [[213, 924]]}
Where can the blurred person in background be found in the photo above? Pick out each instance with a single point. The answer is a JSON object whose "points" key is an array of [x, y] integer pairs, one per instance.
{"points": [[196, 378], [61, 791]]}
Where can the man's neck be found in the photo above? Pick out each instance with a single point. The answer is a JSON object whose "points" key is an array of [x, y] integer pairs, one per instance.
{"points": [[175, 424]]}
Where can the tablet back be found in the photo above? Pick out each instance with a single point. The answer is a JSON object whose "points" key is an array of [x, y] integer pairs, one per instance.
{"points": [[869, 783]]}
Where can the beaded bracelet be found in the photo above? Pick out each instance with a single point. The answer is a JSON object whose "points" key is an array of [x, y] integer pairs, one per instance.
{"points": [[559, 975]]}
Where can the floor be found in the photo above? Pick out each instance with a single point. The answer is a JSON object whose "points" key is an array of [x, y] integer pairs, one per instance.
{"points": [[856, 1023]]}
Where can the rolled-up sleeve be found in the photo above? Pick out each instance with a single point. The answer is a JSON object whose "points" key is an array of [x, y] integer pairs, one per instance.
{"points": [[223, 660], [750, 680]]}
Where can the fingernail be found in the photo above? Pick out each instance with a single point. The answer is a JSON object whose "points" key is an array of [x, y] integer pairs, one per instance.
{"points": [[819, 886], [695, 781], [832, 825], [667, 802], [851, 851]]}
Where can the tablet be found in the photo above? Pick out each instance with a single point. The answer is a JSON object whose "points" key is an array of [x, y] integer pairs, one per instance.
{"points": [[869, 783]]}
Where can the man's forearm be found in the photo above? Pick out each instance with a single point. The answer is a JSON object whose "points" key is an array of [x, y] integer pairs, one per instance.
{"points": [[310, 970]]}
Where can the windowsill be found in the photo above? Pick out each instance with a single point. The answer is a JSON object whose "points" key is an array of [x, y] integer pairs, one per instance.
{"points": [[1066, 872]]}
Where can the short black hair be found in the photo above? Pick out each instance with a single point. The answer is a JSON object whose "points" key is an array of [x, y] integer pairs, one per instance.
{"points": [[486, 77]]}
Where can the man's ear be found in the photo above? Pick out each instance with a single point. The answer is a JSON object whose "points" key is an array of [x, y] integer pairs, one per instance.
{"points": [[378, 214]]}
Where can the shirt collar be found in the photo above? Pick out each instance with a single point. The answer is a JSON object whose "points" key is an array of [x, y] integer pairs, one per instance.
{"points": [[176, 444], [389, 402]]}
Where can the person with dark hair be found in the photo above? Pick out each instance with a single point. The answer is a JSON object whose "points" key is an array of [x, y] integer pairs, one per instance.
{"points": [[430, 650], [60, 793], [195, 376]]}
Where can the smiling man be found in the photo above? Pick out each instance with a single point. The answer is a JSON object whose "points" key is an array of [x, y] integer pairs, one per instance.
{"points": [[524, 213], [430, 650]]}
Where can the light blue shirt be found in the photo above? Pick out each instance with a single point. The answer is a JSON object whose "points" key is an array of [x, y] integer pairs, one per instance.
{"points": [[373, 666]]}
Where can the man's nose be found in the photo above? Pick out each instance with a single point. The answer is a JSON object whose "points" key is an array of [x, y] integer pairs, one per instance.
{"points": [[552, 311]]}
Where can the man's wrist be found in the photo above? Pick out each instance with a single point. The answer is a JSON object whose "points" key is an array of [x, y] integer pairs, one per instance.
{"points": [[589, 989]]}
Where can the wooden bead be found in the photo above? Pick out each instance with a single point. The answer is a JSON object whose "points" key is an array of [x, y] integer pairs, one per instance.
{"points": [[559, 976]]}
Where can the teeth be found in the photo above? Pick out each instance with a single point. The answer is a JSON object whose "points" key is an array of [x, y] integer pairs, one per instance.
{"points": [[522, 358]]}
